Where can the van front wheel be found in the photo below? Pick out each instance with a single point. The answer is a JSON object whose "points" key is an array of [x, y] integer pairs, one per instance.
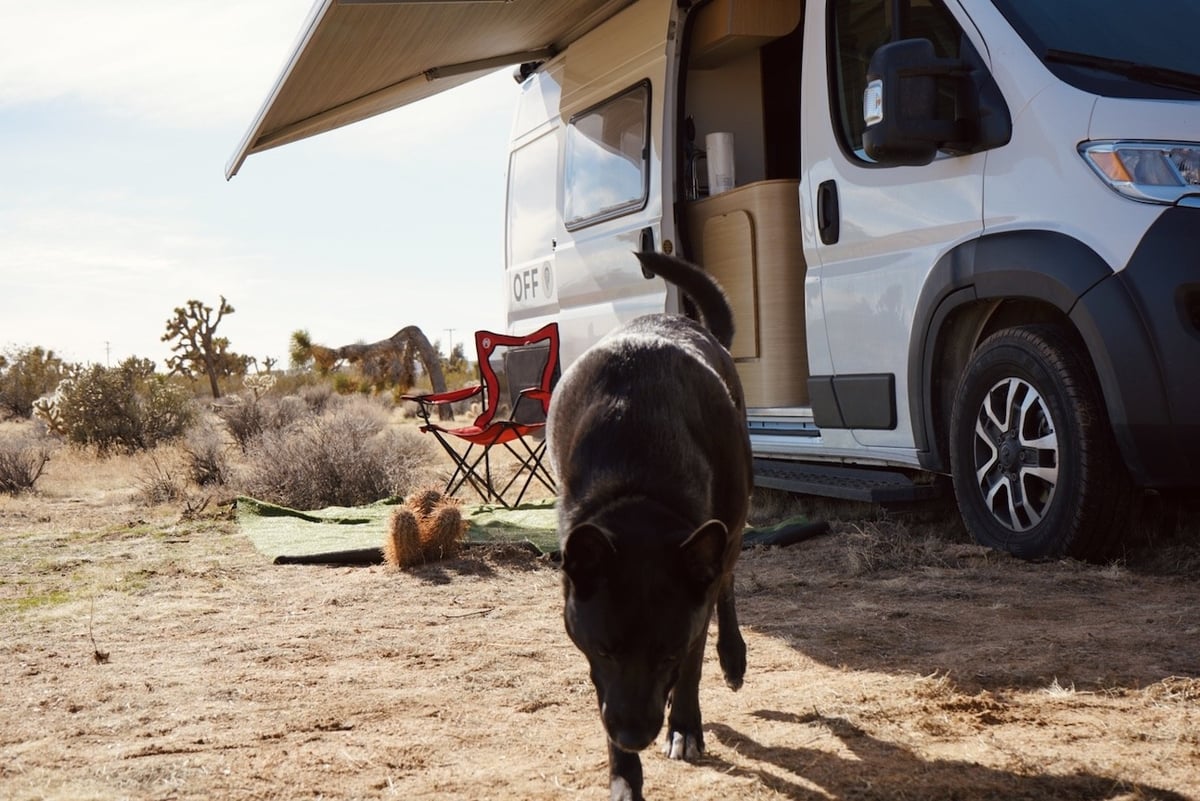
{"points": [[1036, 470]]}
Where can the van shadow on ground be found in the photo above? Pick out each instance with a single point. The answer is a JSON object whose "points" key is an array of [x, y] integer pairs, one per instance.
{"points": [[875, 769], [985, 619]]}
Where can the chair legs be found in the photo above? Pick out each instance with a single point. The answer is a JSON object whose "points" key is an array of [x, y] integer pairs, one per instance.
{"points": [[467, 469], [532, 467]]}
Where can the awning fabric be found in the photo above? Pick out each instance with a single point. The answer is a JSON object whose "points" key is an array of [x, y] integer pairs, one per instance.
{"points": [[358, 58]]}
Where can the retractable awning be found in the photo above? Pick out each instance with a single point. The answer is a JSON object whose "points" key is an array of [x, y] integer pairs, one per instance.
{"points": [[358, 58]]}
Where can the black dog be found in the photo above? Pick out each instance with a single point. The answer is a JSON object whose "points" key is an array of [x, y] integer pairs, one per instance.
{"points": [[648, 433]]}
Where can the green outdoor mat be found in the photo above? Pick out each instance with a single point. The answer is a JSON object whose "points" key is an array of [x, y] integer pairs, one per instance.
{"points": [[285, 534], [355, 535]]}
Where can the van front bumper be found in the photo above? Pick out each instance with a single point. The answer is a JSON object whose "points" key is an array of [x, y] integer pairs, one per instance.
{"points": [[1142, 328]]}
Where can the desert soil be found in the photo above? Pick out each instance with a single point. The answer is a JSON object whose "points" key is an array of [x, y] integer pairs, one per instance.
{"points": [[153, 655]]}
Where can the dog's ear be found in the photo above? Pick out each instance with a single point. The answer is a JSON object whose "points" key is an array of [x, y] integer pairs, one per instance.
{"points": [[704, 553], [587, 555]]}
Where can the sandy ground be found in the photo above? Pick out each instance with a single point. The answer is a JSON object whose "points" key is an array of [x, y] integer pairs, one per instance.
{"points": [[147, 656]]}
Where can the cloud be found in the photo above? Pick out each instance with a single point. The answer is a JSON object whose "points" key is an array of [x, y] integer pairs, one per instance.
{"points": [[99, 246], [177, 63]]}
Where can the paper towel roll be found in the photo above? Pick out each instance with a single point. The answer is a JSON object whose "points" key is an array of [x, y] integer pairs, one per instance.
{"points": [[719, 151]]}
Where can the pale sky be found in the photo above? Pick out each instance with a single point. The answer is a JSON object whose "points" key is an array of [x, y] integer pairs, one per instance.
{"points": [[117, 118]]}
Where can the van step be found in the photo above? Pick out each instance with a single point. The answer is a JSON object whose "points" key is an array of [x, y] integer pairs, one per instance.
{"points": [[840, 481]]}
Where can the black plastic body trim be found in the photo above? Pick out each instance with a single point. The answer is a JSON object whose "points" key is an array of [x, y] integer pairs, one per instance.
{"points": [[1134, 324], [822, 398], [1137, 320], [860, 400]]}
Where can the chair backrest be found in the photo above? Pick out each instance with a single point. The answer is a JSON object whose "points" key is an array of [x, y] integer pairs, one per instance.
{"points": [[510, 364]]}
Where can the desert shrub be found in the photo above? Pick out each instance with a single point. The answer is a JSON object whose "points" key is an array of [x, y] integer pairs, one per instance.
{"points": [[167, 410], [346, 456], [316, 396], [251, 414], [346, 384], [26, 374], [295, 382], [243, 420], [206, 456], [124, 408], [23, 457]]}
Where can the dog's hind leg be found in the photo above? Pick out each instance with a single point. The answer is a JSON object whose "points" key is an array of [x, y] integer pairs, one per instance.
{"points": [[624, 775], [731, 648]]}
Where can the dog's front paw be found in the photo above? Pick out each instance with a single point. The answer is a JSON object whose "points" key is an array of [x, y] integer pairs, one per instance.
{"points": [[680, 745], [620, 790]]}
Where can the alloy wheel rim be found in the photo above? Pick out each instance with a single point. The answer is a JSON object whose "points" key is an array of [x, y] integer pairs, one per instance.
{"points": [[1016, 454]]}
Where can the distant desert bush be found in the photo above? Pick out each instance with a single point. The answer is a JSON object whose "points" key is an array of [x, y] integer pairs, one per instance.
{"points": [[347, 455], [248, 415], [27, 374], [206, 454], [23, 457], [124, 409]]}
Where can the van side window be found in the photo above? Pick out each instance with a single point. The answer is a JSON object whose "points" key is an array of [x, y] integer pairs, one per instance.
{"points": [[857, 29], [607, 170]]}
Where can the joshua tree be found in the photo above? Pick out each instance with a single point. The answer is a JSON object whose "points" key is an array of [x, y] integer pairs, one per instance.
{"points": [[388, 362], [197, 347]]}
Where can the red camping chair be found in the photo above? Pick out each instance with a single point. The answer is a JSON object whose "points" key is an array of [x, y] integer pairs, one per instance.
{"points": [[517, 375]]}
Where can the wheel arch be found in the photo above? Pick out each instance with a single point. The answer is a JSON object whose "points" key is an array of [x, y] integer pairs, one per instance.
{"points": [[981, 286]]}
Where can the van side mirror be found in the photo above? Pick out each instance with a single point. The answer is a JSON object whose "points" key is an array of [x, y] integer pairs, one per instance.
{"points": [[900, 105]]}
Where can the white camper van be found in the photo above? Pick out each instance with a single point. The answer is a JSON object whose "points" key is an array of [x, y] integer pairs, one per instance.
{"points": [[961, 237]]}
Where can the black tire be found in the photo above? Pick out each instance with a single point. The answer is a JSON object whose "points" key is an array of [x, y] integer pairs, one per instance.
{"points": [[1036, 469]]}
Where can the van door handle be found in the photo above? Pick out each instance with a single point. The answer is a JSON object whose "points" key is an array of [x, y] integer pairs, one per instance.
{"points": [[828, 213], [647, 246]]}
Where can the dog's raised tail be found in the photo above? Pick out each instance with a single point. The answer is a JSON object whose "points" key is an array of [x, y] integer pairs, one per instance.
{"points": [[701, 287]]}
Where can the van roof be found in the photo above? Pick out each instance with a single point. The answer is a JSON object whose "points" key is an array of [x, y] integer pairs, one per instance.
{"points": [[354, 59]]}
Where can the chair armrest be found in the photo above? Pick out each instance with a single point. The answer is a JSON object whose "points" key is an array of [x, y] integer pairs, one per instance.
{"points": [[537, 394], [453, 396], [428, 400], [534, 394]]}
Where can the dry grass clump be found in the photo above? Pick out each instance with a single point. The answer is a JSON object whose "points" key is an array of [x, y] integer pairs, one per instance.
{"points": [[875, 546], [160, 478], [425, 528], [769, 506], [1182, 689]]}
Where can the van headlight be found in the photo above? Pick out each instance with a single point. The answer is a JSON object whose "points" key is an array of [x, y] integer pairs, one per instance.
{"points": [[1152, 172]]}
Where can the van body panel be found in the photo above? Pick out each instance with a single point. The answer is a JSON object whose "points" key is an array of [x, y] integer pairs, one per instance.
{"points": [[1162, 120], [1040, 181], [599, 284], [532, 226]]}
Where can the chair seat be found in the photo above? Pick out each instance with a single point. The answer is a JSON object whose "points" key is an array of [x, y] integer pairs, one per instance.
{"points": [[493, 434]]}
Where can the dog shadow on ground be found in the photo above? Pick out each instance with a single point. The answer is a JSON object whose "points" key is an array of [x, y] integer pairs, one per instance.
{"points": [[875, 769]]}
